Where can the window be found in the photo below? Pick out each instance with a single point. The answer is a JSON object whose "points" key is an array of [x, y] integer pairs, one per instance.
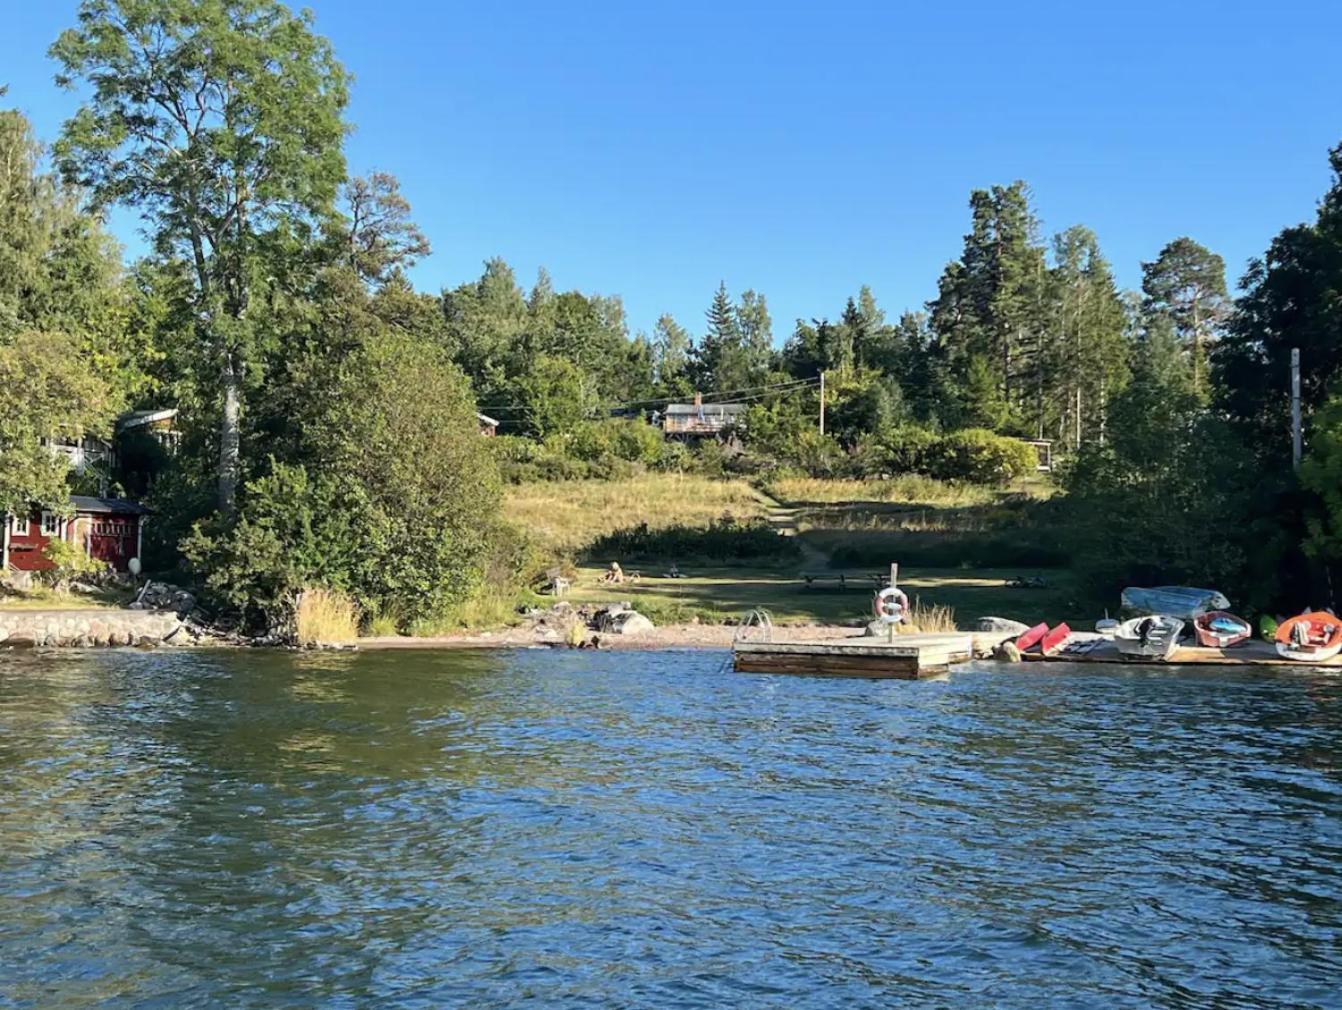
{"points": [[19, 526], [51, 524]]}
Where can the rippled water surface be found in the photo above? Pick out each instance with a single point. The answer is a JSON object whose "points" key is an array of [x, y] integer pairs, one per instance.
{"points": [[647, 830]]}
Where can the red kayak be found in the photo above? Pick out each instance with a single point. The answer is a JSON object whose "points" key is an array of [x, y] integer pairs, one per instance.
{"points": [[1055, 639], [1032, 637]]}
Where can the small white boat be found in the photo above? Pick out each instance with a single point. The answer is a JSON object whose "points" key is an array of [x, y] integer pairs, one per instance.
{"points": [[1107, 627], [1155, 637]]}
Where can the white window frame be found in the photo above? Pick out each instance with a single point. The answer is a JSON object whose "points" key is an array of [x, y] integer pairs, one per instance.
{"points": [[18, 525], [51, 524]]}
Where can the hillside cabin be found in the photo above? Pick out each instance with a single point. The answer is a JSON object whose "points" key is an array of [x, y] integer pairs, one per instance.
{"points": [[699, 419], [1043, 448], [159, 424], [488, 426], [108, 529]]}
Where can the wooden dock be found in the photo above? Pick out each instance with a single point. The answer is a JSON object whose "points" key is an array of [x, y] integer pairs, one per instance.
{"points": [[908, 657], [1250, 653], [912, 657]]}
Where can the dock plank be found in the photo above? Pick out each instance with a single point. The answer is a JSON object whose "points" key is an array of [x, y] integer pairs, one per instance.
{"points": [[908, 657]]}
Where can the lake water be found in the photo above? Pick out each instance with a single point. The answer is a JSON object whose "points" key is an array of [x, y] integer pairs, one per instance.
{"points": [[649, 830]]}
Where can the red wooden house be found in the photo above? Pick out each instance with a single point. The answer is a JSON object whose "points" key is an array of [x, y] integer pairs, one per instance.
{"points": [[109, 529]]}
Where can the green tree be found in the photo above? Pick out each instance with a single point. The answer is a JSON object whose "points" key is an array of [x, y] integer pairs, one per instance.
{"points": [[990, 306], [672, 350], [486, 322], [375, 234], [1186, 285], [1086, 350], [45, 391], [396, 501], [551, 397], [222, 121], [1290, 301]]}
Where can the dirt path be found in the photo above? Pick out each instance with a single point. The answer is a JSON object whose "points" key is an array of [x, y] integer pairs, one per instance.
{"points": [[783, 519]]}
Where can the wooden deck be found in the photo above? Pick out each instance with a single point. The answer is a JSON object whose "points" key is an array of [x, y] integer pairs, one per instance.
{"points": [[908, 657], [912, 657], [1250, 653]]}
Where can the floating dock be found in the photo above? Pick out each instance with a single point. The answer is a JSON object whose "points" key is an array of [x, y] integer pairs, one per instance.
{"points": [[907, 657]]}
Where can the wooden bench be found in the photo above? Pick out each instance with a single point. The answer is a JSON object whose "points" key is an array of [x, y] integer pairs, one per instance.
{"points": [[875, 581]]}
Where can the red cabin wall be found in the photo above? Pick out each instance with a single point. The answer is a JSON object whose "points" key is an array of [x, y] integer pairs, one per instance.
{"points": [[25, 550], [110, 538]]}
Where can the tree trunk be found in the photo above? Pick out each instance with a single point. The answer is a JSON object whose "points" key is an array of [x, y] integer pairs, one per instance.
{"points": [[229, 438]]}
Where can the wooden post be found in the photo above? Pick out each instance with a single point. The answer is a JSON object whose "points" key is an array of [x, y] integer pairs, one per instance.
{"points": [[894, 578], [1297, 440], [822, 401]]}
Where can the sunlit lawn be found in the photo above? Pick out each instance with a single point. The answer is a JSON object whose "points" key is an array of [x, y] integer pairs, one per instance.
{"points": [[716, 593], [41, 598]]}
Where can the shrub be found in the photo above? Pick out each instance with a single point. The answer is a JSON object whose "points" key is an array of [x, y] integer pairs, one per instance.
{"points": [[324, 617], [907, 449], [615, 439], [979, 455], [69, 563], [725, 540]]}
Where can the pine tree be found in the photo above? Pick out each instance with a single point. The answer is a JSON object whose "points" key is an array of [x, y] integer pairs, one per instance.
{"points": [[1186, 284], [989, 311]]}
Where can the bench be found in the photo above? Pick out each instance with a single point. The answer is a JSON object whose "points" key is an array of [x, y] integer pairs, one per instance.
{"points": [[875, 581]]}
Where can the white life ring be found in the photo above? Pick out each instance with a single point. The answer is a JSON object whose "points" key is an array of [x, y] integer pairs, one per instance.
{"points": [[890, 605]]}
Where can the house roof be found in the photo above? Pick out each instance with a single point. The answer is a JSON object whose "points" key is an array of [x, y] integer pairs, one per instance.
{"points": [[140, 418], [486, 419], [718, 409], [107, 506]]}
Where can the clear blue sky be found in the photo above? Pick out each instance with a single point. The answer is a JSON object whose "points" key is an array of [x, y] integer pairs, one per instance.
{"points": [[802, 149]]}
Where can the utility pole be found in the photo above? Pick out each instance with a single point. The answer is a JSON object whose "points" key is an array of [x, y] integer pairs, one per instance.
{"points": [[1297, 442], [822, 401]]}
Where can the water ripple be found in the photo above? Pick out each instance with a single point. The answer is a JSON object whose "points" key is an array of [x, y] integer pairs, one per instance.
{"points": [[615, 830]]}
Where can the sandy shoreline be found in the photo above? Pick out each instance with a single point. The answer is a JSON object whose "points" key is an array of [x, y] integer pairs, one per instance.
{"points": [[672, 636]]}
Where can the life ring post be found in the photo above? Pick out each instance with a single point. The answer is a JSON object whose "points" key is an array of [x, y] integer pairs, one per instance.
{"points": [[894, 584]]}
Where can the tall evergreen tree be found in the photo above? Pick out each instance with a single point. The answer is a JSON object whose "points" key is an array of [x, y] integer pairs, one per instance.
{"points": [[989, 311], [1086, 347], [1186, 285]]}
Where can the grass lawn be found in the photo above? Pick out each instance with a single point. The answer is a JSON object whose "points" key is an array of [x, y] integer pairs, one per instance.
{"points": [[716, 593], [48, 599], [958, 546]]}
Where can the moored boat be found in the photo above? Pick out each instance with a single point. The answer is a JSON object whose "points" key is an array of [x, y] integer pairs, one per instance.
{"points": [[1217, 629], [1183, 602], [1153, 637], [1310, 638]]}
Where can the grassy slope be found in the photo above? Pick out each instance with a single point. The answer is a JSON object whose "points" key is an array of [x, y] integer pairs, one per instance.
{"points": [[568, 515], [878, 516]]}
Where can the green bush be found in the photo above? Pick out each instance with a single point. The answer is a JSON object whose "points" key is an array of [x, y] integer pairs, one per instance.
{"points": [[980, 456], [69, 563], [631, 441], [726, 540]]}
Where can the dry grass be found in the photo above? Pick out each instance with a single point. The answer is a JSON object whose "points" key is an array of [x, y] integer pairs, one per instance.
{"points": [[930, 617], [567, 515], [325, 617], [906, 489]]}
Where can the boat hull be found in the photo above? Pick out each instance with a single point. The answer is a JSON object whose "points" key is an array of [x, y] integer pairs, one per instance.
{"points": [[1310, 638], [1211, 637], [1149, 638]]}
